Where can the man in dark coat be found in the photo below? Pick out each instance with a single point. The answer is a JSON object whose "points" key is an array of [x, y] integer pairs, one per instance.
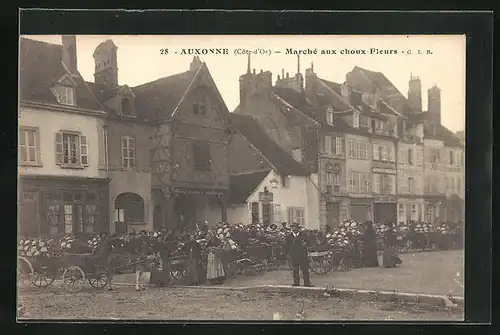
{"points": [[296, 248]]}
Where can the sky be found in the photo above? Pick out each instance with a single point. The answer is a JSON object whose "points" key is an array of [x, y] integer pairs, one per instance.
{"points": [[140, 60]]}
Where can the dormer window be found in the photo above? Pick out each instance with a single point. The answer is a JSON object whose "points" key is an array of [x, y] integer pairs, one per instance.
{"points": [[65, 95], [355, 120], [127, 107], [329, 117]]}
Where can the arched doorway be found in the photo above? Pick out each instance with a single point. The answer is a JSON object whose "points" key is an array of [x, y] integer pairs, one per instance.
{"points": [[129, 209]]}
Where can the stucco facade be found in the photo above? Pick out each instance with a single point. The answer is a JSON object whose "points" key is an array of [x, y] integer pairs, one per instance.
{"points": [[411, 182], [359, 177], [302, 195]]}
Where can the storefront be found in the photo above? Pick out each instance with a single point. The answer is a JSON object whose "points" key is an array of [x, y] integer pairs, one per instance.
{"points": [[434, 209], [385, 209], [361, 210], [454, 209], [55, 205]]}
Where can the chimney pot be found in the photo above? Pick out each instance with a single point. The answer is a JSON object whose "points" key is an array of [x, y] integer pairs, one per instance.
{"points": [[287, 75], [253, 71]]}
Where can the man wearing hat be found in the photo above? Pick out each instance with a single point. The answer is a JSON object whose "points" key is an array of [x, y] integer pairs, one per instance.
{"points": [[296, 248]]}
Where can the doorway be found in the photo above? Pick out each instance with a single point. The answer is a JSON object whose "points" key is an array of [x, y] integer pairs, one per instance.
{"points": [[332, 214]]}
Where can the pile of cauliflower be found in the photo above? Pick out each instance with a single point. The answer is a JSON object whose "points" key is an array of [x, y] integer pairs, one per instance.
{"points": [[35, 247]]}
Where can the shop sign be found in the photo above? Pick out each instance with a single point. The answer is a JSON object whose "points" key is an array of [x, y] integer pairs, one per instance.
{"points": [[380, 170], [384, 199], [360, 202], [265, 196], [195, 192], [360, 196]]}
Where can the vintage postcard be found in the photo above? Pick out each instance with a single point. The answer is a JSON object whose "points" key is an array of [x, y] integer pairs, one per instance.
{"points": [[253, 177]]}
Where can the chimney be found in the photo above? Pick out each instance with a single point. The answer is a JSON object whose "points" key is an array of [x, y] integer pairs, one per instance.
{"points": [[69, 53], [195, 64], [311, 84], [415, 93], [434, 104]]}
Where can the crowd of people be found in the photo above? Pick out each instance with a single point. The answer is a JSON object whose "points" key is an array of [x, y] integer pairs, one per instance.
{"points": [[203, 253]]}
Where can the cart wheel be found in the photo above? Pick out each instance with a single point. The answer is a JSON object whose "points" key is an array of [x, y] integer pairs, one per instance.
{"points": [[42, 277], [24, 270], [73, 279], [99, 279]]}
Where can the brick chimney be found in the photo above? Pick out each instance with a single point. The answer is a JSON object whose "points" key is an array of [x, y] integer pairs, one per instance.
{"points": [[311, 84], [415, 93], [296, 82], [252, 84], [69, 53]]}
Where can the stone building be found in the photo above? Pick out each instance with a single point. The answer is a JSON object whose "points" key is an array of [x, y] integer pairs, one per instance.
{"points": [[124, 143], [61, 188], [267, 184]]}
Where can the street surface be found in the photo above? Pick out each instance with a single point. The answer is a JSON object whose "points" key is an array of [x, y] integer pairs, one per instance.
{"points": [[421, 272], [206, 304]]}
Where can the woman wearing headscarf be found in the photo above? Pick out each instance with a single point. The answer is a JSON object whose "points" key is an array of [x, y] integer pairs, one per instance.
{"points": [[369, 256], [215, 266], [390, 258]]}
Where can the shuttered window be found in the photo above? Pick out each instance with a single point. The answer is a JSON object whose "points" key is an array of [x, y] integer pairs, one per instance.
{"points": [[201, 156], [71, 149]]}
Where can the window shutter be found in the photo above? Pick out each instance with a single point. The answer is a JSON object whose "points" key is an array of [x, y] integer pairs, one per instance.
{"points": [[59, 148], [102, 151], [384, 152], [84, 155], [375, 152], [124, 152], [328, 144], [131, 152]]}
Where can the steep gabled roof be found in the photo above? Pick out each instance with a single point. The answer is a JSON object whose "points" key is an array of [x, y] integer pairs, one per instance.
{"points": [[41, 67], [336, 100], [448, 137], [162, 95], [381, 81], [241, 186], [277, 157]]}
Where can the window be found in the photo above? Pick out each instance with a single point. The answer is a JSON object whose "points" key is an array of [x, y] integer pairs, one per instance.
{"points": [[199, 108], [451, 157], [285, 181], [390, 153], [376, 184], [90, 218], [65, 95], [410, 156], [380, 152], [201, 156], [328, 144], [329, 178], [28, 146], [127, 107], [411, 186], [384, 152], [355, 120], [438, 156], [71, 149], [329, 118], [128, 152], [336, 180], [54, 215], [68, 218], [376, 154], [296, 215], [352, 183], [255, 212], [350, 145], [339, 149], [277, 213], [105, 140]]}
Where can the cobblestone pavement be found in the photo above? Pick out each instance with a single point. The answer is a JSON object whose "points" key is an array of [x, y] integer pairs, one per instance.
{"points": [[421, 272], [206, 304]]}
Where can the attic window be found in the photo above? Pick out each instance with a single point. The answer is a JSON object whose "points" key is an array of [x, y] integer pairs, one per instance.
{"points": [[355, 120], [199, 108], [127, 107], [65, 95], [329, 117]]}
